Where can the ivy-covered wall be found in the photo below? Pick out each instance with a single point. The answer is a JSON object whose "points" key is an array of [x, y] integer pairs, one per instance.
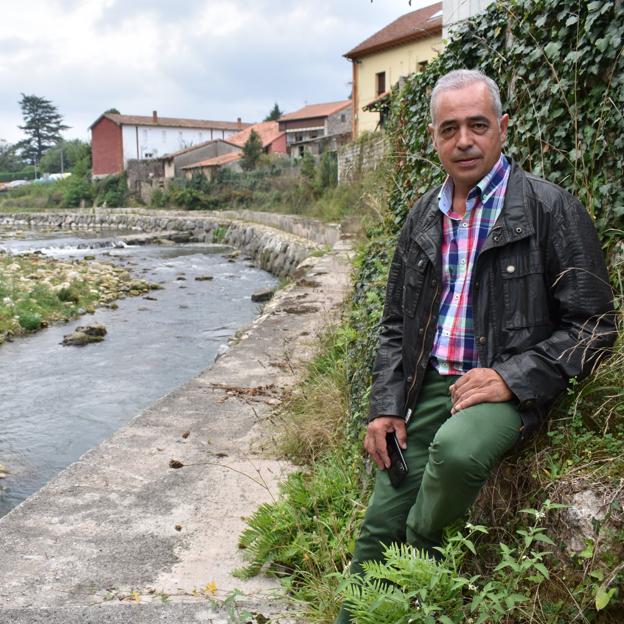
{"points": [[560, 67]]}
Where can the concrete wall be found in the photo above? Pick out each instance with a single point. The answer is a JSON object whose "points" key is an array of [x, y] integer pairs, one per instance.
{"points": [[396, 62], [456, 11]]}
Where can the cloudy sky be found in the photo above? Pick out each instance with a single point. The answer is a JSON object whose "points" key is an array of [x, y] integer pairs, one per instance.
{"points": [[203, 59]]}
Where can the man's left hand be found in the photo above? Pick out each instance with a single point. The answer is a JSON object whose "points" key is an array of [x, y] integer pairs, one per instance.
{"points": [[479, 385]]}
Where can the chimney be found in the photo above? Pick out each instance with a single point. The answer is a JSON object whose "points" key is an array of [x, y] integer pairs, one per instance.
{"points": [[239, 123], [155, 116]]}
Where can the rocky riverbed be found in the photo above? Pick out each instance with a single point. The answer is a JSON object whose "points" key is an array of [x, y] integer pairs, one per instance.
{"points": [[36, 290]]}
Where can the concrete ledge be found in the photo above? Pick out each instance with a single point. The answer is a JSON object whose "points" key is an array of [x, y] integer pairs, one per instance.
{"points": [[124, 524]]}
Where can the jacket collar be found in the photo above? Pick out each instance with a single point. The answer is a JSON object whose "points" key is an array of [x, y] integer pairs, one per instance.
{"points": [[513, 222]]}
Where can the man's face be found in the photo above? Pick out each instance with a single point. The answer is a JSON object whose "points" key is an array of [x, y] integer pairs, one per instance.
{"points": [[467, 134]]}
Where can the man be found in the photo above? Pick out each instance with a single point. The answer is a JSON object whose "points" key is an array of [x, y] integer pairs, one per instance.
{"points": [[497, 295]]}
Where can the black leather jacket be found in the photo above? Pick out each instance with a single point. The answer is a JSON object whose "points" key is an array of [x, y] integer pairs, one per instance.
{"points": [[542, 304]]}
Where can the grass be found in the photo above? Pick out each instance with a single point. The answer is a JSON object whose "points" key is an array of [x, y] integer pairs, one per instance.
{"points": [[32, 198], [313, 419], [306, 537], [36, 291]]}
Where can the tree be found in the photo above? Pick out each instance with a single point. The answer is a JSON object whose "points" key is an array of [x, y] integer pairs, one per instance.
{"points": [[9, 160], [64, 156], [275, 113], [252, 150], [43, 125]]}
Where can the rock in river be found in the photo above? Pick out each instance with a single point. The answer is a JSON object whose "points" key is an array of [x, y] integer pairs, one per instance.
{"points": [[264, 294], [84, 335]]}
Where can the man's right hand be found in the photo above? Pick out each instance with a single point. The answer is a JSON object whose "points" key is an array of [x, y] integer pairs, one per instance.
{"points": [[375, 440]]}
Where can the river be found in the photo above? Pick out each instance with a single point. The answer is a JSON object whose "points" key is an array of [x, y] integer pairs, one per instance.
{"points": [[58, 402]]}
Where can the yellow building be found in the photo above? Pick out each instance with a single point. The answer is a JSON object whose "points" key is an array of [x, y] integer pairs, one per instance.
{"points": [[401, 48]]}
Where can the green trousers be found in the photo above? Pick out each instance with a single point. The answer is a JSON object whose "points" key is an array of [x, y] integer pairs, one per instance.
{"points": [[449, 458]]}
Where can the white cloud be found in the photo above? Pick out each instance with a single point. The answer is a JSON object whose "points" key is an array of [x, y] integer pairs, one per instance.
{"points": [[216, 59]]}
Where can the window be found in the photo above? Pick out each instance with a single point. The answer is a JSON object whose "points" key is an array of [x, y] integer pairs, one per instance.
{"points": [[422, 65], [343, 117], [380, 80]]}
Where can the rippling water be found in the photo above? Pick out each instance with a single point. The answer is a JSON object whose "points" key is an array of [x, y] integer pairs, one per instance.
{"points": [[58, 402]]}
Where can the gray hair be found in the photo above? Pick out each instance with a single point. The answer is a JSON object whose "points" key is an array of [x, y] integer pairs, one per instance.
{"points": [[460, 78]]}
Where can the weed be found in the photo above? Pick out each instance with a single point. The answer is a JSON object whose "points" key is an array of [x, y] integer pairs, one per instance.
{"points": [[312, 421]]}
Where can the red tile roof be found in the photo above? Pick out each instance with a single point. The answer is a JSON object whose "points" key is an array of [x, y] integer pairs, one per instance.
{"points": [[217, 161], [173, 122], [267, 130], [316, 110], [410, 27]]}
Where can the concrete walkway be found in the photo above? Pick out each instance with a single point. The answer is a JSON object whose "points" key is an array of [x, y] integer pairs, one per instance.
{"points": [[144, 527]]}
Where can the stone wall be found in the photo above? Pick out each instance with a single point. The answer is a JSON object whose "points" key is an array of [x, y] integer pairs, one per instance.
{"points": [[363, 155], [305, 227], [273, 250]]}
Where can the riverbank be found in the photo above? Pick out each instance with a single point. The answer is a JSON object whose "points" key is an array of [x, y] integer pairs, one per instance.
{"points": [[36, 291], [148, 522], [276, 243]]}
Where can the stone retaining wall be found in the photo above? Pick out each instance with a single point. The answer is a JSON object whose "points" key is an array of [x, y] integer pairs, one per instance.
{"points": [[273, 250]]}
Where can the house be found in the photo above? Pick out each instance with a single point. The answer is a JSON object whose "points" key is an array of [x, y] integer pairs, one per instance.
{"points": [[230, 151], [401, 48], [174, 164], [456, 11], [116, 138], [317, 127]]}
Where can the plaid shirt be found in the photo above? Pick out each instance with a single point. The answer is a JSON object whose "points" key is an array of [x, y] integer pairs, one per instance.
{"points": [[454, 350]]}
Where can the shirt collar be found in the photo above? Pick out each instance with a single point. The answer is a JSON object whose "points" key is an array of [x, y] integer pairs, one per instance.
{"points": [[486, 186]]}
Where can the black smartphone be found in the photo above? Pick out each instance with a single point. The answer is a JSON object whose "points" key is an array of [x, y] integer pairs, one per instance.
{"points": [[398, 467]]}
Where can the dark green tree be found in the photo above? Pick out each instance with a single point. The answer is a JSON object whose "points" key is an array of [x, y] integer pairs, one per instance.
{"points": [[64, 155], [252, 150], [43, 125], [275, 113], [9, 160]]}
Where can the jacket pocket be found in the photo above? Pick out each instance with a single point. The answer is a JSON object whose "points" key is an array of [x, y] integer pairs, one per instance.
{"points": [[524, 291]]}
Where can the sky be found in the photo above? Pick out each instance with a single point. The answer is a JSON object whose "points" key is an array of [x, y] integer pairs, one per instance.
{"points": [[196, 59]]}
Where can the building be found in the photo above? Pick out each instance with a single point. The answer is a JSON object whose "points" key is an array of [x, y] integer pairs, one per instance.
{"points": [[456, 11], [116, 138], [317, 127], [228, 152], [403, 47]]}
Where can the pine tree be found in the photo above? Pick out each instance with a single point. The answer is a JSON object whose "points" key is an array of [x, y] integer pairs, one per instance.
{"points": [[275, 113], [252, 150], [43, 125]]}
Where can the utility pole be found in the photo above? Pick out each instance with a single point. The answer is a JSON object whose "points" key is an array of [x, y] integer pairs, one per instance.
{"points": [[62, 163]]}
